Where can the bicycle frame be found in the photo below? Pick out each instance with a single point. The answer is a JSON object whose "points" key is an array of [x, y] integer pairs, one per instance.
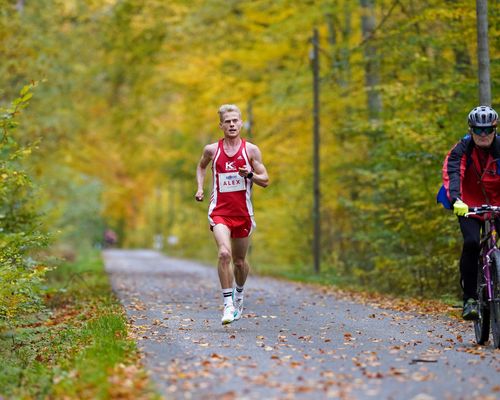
{"points": [[490, 245], [488, 277]]}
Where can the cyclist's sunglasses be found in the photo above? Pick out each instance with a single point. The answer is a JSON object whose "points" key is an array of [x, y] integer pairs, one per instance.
{"points": [[480, 129]]}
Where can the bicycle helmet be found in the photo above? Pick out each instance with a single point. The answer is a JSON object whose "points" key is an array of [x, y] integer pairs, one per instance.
{"points": [[483, 116]]}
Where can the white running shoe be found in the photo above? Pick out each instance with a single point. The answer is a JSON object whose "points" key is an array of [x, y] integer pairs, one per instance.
{"points": [[228, 316], [238, 308]]}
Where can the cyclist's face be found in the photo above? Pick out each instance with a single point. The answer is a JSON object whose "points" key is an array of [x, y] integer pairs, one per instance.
{"points": [[231, 124], [483, 140]]}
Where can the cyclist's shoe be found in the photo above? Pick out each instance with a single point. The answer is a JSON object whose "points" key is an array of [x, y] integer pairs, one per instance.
{"points": [[471, 310], [238, 308], [228, 316]]}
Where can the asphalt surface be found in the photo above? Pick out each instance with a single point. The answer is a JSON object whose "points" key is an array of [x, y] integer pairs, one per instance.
{"points": [[294, 341]]}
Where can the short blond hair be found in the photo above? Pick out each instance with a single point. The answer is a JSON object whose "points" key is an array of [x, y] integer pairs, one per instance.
{"points": [[227, 108]]}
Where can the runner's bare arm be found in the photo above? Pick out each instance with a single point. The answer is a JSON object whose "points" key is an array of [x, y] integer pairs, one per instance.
{"points": [[260, 176], [201, 169]]}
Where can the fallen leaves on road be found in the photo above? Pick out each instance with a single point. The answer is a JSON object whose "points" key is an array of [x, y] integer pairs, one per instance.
{"points": [[329, 357]]}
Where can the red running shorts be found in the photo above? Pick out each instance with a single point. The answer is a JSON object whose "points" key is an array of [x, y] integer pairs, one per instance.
{"points": [[240, 227]]}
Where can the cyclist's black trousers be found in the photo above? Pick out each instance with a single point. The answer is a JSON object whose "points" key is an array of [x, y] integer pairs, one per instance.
{"points": [[471, 229]]}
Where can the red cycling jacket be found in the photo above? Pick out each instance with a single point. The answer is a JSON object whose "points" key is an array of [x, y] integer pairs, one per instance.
{"points": [[472, 176]]}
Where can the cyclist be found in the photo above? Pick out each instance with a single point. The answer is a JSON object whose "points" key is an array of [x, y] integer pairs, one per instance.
{"points": [[471, 177], [236, 166]]}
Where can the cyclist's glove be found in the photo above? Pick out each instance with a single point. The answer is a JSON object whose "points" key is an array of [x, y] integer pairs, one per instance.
{"points": [[460, 208]]}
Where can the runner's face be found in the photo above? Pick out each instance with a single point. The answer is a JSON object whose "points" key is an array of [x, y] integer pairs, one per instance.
{"points": [[231, 124]]}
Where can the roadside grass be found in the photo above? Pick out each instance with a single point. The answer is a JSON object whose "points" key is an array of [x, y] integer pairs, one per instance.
{"points": [[78, 348], [300, 273]]}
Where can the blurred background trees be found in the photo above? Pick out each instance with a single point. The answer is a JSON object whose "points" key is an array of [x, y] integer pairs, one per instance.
{"points": [[130, 96]]}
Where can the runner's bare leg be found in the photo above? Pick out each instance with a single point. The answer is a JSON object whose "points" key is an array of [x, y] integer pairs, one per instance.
{"points": [[241, 267], [222, 237]]}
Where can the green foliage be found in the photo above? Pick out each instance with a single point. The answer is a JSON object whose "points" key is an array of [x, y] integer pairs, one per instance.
{"points": [[126, 115], [20, 220]]}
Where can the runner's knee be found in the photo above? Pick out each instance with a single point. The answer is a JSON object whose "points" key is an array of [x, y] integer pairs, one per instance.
{"points": [[239, 263], [225, 256]]}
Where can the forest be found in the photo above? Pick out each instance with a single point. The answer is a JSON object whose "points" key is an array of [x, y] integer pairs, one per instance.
{"points": [[106, 106]]}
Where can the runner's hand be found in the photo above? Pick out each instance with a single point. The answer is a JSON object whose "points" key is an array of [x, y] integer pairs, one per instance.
{"points": [[460, 208], [199, 195], [243, 171]]}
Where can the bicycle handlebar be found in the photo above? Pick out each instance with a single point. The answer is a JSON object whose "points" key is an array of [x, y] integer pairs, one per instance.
{"points": [[485, 208]]}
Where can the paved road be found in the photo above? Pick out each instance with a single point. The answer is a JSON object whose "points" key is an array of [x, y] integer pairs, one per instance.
{"points": [[294, 341]]}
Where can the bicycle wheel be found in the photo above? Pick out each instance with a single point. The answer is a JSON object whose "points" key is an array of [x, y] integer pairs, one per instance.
{"points": [[482, 324], [495, 303]]}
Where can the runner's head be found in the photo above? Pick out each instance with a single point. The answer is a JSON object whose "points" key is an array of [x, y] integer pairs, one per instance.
{"points": [[482, 125], [230, 121], [228, 108]]}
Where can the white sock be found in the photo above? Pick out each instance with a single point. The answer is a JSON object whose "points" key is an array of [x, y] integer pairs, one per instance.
{"points": [[228, 296], [238, 293]]}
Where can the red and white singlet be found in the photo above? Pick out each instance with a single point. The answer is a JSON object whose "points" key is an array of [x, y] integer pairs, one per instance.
{"points": [[231, 193]]}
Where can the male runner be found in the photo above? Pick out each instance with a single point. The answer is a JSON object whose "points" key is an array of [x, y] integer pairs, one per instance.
{"points": [[236, 166]]}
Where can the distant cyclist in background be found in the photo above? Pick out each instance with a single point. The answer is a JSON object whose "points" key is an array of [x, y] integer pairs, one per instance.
{"points": [[236, 166], [471, 178]]}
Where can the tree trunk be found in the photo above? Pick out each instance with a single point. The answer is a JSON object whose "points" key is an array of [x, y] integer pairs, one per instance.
{"points": [[483, 56], [372, 66], [341, 67], [20, 6], [345, 53], [332, 24]]}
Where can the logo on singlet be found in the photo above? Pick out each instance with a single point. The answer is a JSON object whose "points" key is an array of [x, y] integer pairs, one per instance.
{"points": [[230, 166]]}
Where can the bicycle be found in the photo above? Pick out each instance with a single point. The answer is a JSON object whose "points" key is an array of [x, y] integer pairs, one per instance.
{"points": [[488, 282]]}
